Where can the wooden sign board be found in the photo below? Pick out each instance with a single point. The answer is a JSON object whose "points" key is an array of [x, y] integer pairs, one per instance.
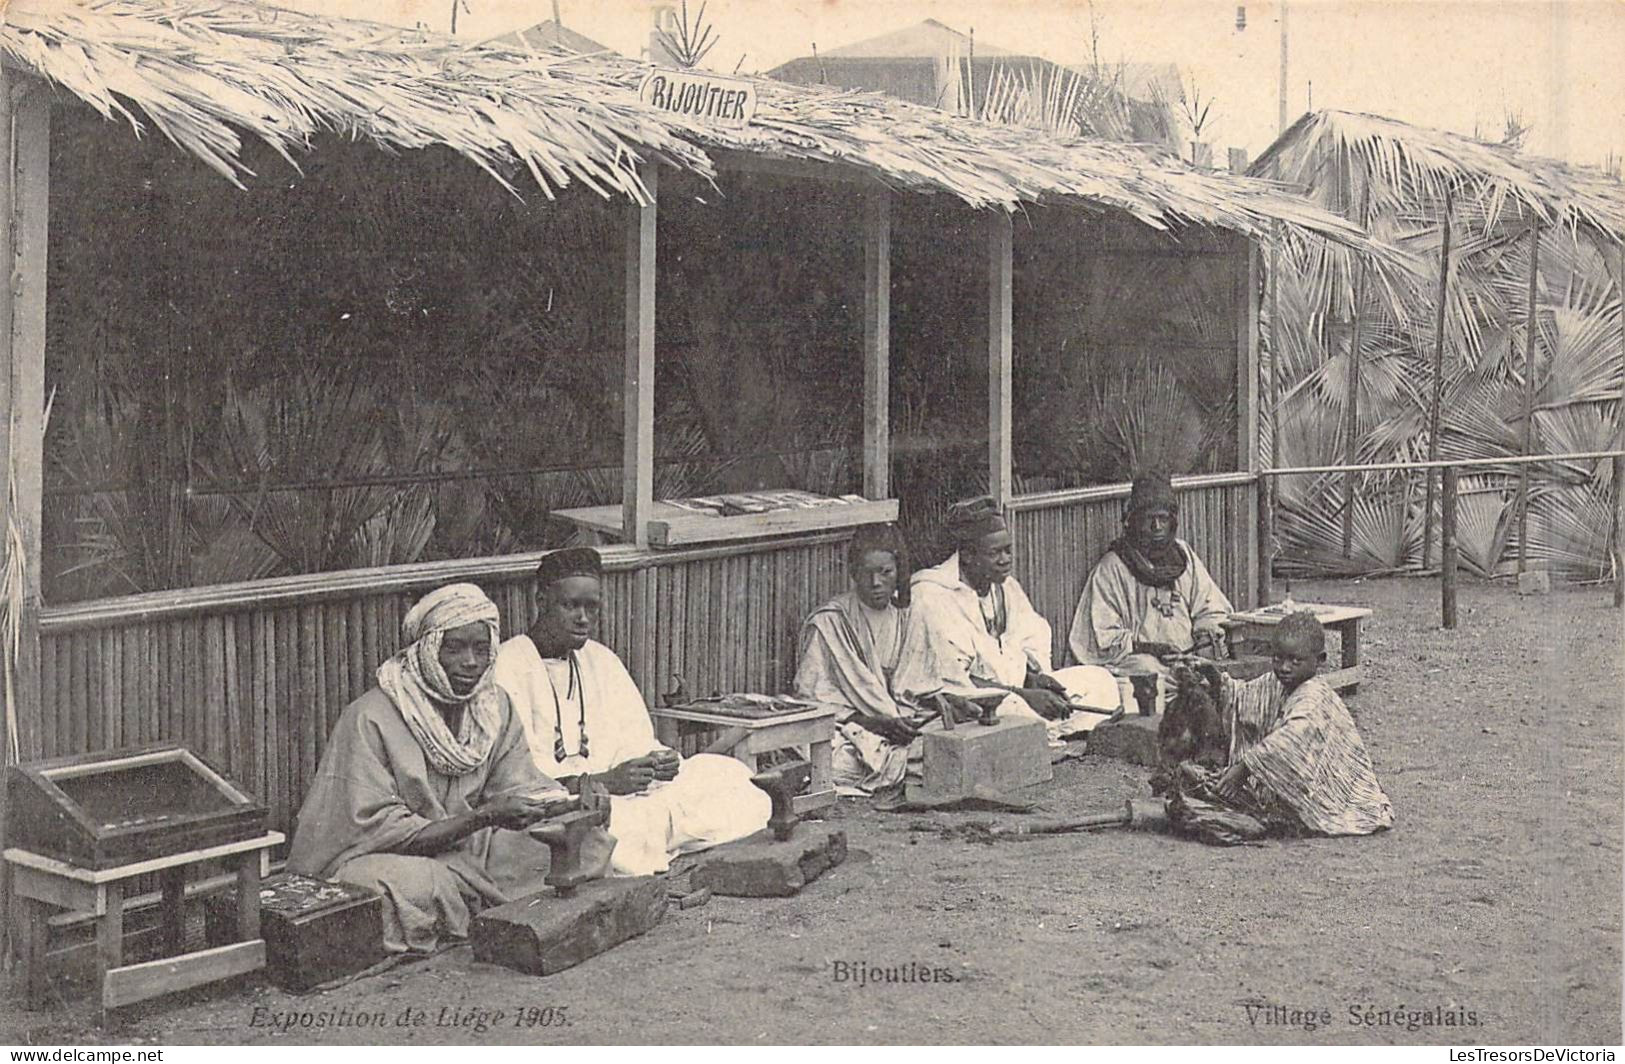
{"points": [[707, 98]]}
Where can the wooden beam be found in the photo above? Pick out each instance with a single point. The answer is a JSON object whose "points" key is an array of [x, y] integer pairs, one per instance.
{"points": [[1531, 328], [1000, 357], [877, 346], [24, 192], [1440, 319], [638, 440]]}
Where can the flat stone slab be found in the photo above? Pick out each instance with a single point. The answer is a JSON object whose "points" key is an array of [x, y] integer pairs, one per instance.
{"points": [[760, 866], [543, 933], [1132, 739], [975, 759]]}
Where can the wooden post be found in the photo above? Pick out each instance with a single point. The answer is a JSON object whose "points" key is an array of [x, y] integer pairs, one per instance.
{"points": [[1619, 444], [1447, 546], [1352, 451], [1531, 327], [1249, 458], [25, 123], [1000, 358], [638, 441], [1274, 390], [1619, 550], [877, 346], [1438, 379], [1266, 540]]}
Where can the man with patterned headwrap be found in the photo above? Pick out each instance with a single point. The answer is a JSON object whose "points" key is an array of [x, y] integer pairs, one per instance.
{"points": [[427, 783], [986, 637], [583, 713], [1150, 595]]}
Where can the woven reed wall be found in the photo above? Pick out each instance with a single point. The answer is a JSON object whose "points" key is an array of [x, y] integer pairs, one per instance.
{"points": [[253, 676]]}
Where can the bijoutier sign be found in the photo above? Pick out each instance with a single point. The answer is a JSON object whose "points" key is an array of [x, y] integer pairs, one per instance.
{"points": [[707, 97]]}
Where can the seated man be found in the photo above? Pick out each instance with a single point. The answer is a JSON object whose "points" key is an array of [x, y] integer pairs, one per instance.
{"points": [[584, 714], [1150, 595], [427, 783], [985, 637], [864, 650], [1295, 755]]}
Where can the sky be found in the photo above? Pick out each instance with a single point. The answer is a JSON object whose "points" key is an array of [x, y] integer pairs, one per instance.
{"points": [[1463, 65]]}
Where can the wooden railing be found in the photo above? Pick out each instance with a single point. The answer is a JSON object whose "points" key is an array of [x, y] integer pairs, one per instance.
{"points": [[253, 675], [1061, 534]]}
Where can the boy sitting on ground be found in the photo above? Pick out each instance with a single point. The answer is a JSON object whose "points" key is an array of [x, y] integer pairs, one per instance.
{"points": [[1295, 756]]}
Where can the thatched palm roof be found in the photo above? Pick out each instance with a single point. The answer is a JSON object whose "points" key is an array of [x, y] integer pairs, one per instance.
{"points": [[201, 71], [1403, 164]]}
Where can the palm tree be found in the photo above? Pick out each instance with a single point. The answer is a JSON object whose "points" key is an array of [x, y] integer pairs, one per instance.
{"points": [[1405, 185]]}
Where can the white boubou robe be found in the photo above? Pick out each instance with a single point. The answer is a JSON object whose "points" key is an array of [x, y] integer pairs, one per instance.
{"points": [[950, 613], [711, 801]]}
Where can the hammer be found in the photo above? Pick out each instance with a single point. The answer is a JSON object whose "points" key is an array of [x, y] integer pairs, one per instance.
{"points": [[563, 835], [782, 783]]}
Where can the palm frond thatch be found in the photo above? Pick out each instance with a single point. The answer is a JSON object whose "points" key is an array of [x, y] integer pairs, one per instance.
{"points": [[1406, 164], [200, 72]]}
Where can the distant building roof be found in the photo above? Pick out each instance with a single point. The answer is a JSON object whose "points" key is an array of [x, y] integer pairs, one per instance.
{"points": [[551, 33], [1140, 81], [928, 39]]}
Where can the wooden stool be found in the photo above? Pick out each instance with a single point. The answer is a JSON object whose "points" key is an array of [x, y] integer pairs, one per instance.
{"points": [[1252, 626], [40, 884], [745, 737]]}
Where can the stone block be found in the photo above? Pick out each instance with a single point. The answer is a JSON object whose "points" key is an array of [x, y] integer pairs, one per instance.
{"points": [[1534, 582], [974, 760], [762, 867], [1132, 739], [543, 933]]}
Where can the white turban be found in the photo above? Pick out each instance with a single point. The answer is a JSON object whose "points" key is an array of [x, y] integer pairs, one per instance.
{"points": [[415, 680]]}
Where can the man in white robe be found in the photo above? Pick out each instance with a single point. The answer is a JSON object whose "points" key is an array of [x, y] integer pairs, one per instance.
{"points": [[986, 637], [863, 650], [1150, 596], [583, 714]]}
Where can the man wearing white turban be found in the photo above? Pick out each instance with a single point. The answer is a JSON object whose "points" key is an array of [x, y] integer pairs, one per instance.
{"points": [[427, 783]]}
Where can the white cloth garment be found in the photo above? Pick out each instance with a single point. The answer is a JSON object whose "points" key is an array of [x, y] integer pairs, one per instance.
{"points": [[951, 614], [711, 801]]}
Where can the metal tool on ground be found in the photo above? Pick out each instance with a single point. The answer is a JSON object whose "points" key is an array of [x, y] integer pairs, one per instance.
{"points": [[782, 783], [1141, 814], [777, 863], [567, 869]]}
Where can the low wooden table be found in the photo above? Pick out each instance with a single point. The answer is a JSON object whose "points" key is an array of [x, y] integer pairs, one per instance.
{"points": [[746, 737], [1256, 625], [40, 884]]}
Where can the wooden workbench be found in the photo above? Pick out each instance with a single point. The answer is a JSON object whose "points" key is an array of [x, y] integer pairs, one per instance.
{"points": [[1255, 626], [41, 883]]}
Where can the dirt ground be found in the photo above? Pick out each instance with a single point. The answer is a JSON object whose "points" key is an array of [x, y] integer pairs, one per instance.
{"points": [[1494, 901]]}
